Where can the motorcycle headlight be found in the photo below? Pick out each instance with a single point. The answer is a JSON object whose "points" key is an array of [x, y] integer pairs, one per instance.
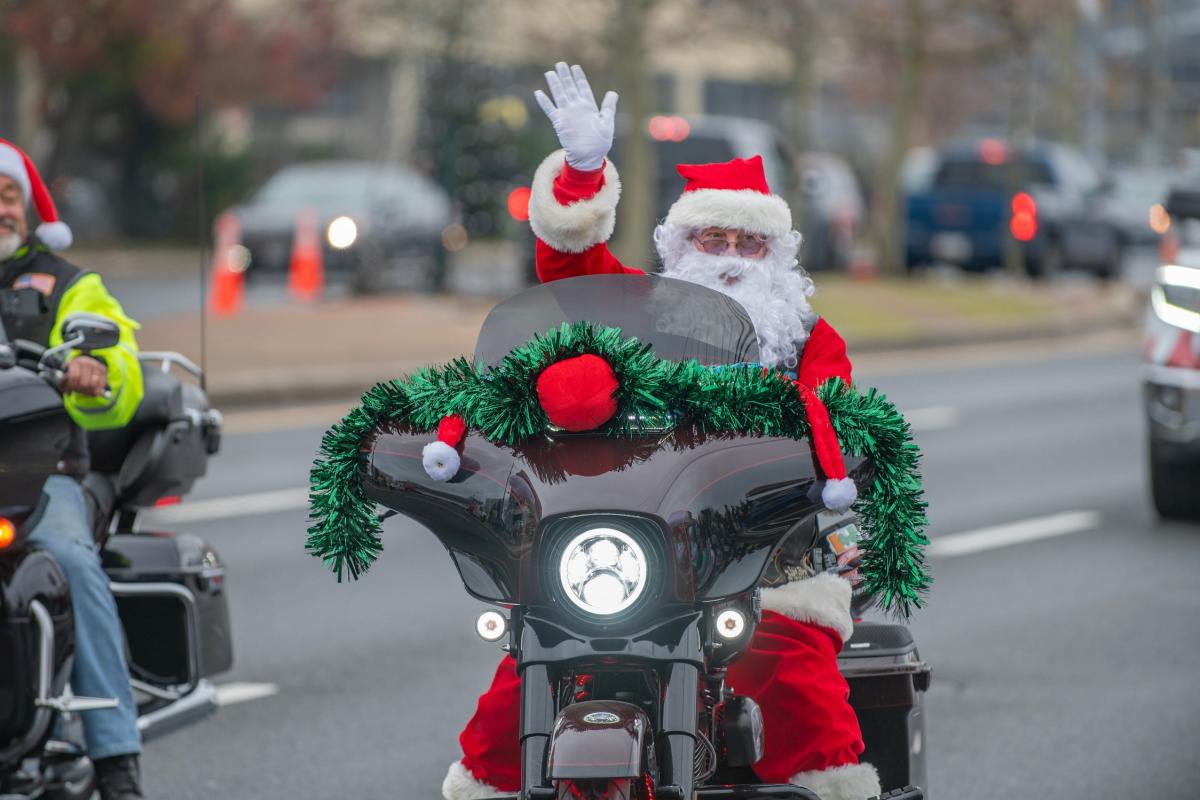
{"points": [[603, 571]]}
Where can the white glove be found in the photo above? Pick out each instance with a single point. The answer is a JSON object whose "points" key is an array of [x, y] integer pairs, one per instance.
{"points": [[584, 131]]}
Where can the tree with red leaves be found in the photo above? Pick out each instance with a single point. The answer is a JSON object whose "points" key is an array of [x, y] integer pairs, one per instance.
{"points": [[123, 78]]}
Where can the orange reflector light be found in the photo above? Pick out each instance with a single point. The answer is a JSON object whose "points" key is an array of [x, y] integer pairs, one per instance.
{"points": [[172, 500], [8, 532], [518, 203]]}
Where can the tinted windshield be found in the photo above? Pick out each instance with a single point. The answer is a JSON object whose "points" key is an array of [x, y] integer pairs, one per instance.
{"points": [[678, 319]]}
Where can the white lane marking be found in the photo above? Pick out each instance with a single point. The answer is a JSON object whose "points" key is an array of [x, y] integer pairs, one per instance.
{"points": [[230, 693], [236, 506], [933, 418], [961, 544]]}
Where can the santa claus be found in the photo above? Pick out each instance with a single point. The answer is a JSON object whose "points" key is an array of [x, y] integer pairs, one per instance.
{"points": [[730, 233]]}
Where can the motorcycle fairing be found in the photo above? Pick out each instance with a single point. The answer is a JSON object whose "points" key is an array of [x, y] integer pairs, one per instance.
{"points": [[723, 502]]}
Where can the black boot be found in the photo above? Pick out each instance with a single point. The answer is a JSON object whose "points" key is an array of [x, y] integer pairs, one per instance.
{"points": [[118, 778]]}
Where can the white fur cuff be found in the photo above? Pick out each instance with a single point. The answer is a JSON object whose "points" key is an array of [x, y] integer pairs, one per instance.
{"points": [[576, 227], [460, 784], [823, 599], [441, 461], [847, 782], [839, 494]]}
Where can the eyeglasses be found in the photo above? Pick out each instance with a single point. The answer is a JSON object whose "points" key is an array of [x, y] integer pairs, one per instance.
{"points": [[717, 243]]}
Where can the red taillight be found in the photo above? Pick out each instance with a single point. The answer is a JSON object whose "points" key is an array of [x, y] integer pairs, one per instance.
{"points": [[172, 500], [8, 532], [1024, 217], [668, 129], [993, 152]]}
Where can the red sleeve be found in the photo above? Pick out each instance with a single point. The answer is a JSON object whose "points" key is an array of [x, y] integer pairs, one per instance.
{"points": [[571, 186], [824, 357]]}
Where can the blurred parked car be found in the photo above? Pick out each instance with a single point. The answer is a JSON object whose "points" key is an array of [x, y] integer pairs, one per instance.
{"points": [[1136, 204], [1172, 368], [379, 223], [833, 212], [1049, 198]]}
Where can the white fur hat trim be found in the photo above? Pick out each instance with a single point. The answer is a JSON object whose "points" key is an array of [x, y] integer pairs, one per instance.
{"points": [[744, 209]]}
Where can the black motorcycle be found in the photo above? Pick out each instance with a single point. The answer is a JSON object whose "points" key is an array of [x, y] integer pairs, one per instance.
{"points": [[170, 588], [630, 567]]}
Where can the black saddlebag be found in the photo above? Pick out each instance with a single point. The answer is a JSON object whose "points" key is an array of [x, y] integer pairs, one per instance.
{"points": [[26, 576], [887, 684], [170, 591]]}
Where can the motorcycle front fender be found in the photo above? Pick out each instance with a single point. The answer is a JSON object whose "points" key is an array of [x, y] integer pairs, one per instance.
{"points": [[598, 739]]}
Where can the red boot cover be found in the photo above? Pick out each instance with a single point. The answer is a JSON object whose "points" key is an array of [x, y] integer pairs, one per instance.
{"points": [[491, 741], [791, 671]]}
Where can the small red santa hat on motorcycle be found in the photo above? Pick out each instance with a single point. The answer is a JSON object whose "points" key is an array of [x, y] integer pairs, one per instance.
{"points": [[53, 232]]}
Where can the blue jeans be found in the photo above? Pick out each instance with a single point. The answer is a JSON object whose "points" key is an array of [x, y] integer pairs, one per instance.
{"points": [[100, 669]]}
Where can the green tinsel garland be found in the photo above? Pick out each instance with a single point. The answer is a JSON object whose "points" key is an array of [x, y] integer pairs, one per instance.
{"points": [[501, 405]]}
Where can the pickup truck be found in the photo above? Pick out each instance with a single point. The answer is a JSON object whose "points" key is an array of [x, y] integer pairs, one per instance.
{"points": [[980, 194]]}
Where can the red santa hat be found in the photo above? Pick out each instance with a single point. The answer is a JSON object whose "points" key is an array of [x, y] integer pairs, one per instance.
{"points": [[730, 195], [441, 457], [16, 165]]}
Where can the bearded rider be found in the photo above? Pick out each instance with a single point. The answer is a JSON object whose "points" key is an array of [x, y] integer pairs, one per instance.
{"points": [[38, 290], [729, 233]]}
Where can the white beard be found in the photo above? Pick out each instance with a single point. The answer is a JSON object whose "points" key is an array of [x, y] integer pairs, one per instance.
{"points": [[773, 289], [9, 244]]}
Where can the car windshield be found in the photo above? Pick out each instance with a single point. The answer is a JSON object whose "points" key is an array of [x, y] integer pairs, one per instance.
{"points": [[678, 319], [974, 174]]}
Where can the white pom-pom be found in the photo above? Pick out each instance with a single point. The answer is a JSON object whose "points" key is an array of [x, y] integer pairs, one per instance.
{"points": [[440, 460], [55, 235], [839, 494]]}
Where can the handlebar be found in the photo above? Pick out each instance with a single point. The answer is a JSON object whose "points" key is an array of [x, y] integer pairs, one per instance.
{"points": [[47, 362]]}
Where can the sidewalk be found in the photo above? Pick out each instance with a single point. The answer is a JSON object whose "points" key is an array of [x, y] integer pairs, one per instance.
{"points": [[290, 354]]}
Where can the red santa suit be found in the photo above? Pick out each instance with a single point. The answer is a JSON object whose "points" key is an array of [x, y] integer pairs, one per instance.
{"points": [[790, 667]]}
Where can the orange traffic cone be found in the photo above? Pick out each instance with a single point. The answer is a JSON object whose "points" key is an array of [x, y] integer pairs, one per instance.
{"points": [[228, 272], [306, 273]]}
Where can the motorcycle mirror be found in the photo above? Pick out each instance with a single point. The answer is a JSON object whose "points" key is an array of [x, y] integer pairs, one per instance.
{"points": [[89, 332]]}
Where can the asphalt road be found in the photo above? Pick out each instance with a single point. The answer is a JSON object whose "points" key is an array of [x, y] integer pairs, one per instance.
{"points": [[1064, 666]]}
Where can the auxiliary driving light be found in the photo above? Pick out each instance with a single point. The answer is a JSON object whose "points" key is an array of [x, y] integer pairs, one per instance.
{"points": [[603, 571], [342, 233], [491, 626], [731, 623]]}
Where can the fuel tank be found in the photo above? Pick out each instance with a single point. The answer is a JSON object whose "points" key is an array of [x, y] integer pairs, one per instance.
{"points": [[720, 503]]}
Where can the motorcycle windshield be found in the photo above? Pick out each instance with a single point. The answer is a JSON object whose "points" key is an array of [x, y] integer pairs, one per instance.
{"points": [[719, 502], [679, 320]]}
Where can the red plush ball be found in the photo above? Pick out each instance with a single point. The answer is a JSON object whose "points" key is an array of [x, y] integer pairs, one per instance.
{"points": [[577, 393]]}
